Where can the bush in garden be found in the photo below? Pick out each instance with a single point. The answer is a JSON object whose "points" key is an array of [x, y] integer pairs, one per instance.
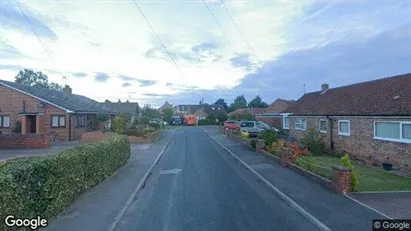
{"points": [[269, 136], [119, 125], [277, 147], [313, 141], [346, 161], [206, 122], [45, 186], [297, 151], [155, 126], [245, 134]]}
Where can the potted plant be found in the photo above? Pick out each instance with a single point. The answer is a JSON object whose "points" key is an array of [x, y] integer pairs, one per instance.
{"points": [[368, 161], [387, 165]]}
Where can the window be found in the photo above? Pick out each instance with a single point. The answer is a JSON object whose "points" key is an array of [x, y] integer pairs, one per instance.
{"points": [[81, 121], [247, 124], [286, 124], [261, 126], [58, 121], [4, 121], [300, 124], [392, 131], [344, 127], [322, 125]]}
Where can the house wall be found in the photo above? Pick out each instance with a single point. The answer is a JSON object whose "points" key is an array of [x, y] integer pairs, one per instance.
{"points": [[11, 103], [361, 143], [273, 121]]}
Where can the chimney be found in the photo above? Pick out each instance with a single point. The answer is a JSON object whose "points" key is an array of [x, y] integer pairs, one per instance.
{"points": [[67, 90], [324, 87]]}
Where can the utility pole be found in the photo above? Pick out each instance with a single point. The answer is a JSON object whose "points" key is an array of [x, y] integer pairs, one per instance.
{"points": [[304, 88], [65, 80]]}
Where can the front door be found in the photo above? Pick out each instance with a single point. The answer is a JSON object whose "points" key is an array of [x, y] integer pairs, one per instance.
{"points": [[31, 124]]}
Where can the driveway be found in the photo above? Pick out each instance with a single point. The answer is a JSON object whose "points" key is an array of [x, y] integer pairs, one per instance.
{"points": [[396, 205]]}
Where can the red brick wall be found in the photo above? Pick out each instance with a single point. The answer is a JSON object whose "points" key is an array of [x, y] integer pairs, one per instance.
{"points": [[24, 141], [11, 102], [273, 121], [361, 143]]}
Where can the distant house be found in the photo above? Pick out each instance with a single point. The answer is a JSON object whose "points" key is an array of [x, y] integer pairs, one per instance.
{"points": [[164, 106], [186, 109], [244, 111], [200, 114], [276, 114], [127, 107], [64, 115], [368, 120]]}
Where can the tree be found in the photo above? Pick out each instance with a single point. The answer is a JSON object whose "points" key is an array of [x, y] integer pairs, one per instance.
{"points": [[150, 112], [222, 116], [168, 113], [38, 79], [222, 103], [239, 102], [257, 102]]}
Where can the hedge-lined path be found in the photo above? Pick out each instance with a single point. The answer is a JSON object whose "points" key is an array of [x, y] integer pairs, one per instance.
{"points": [[96, 209], [198, 186]]}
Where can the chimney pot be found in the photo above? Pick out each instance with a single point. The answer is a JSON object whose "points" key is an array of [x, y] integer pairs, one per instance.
{"points": [[67, 89], [324, 87]]}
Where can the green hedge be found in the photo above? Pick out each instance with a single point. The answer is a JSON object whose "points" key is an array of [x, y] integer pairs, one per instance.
{"points": [[45, 186], [207, 122]]}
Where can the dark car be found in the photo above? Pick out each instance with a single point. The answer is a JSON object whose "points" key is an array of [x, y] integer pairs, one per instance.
{"points": [[175, 120]]}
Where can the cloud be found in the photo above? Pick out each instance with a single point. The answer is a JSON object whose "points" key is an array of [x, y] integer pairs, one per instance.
{"points": [[196, 54], [101, 77], [156, 95], [126, 84], [79, 74], [169, 84], [126, 78], [12, 17], [7, 51], [146, 83], [242, 61]]}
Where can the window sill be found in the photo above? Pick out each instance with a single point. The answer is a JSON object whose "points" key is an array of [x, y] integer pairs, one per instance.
{"points": [[323, 131], [344, 134], [300, 129], [286, 128], [393, 140]]}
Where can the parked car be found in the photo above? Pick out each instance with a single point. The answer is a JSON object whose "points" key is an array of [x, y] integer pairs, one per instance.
{"points": [[231, 125], [158, 121], [253, 127], [175, 120], [269, 126]]}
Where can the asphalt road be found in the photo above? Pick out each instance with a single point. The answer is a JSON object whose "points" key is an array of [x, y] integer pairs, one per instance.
{"points": [[198, 186]]}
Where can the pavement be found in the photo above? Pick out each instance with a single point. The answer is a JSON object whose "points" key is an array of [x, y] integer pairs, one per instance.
{"points": [[54, 147], [97, 208], [337, 212], [396, 205]]}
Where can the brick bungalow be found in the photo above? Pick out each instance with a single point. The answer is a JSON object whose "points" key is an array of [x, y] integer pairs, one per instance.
{"points": [[368, 120], [276, 114], [133, 109], [244, 111], [63, 115]]}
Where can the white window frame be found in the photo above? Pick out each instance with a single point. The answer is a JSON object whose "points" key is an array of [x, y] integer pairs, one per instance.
{"points": [[349, 128], [2, 121], [326, 125], [400, 140], [305, 124], [284, 124]]}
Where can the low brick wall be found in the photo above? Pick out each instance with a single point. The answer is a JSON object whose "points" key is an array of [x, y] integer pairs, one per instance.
{"points": [[98, 136], [24, 141]]}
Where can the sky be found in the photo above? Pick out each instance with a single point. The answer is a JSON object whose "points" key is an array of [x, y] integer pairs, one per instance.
{"points": [[272, 48]]}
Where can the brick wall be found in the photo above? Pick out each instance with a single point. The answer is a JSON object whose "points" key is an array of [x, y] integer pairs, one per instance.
{"points": [[273, 121], [24, 141], [361, 143], [11, 103]]}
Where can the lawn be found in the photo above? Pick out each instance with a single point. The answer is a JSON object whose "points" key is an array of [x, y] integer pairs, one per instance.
{"points": [[369, 178]]}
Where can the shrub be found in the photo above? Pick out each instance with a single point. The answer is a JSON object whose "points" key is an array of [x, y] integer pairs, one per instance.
{"points": [[314, 142], [119, 125], [245, 134], [253, 144], [345, 160], [235, 132], [17, 127], [139, 130], [269, 136], [297, 151], [44, 186], [278, 147], [156, 126]]}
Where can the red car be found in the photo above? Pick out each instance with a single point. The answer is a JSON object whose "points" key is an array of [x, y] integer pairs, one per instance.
{"points": [[231, 125]]}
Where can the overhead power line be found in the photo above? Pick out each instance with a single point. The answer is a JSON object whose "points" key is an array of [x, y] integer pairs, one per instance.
{"points": [[38, 37], [158, 38], [218, 23], [241, 33]]}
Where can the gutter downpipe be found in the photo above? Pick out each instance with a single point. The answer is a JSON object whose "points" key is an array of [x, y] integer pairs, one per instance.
{"points": [[70, 126], [331, 132]]}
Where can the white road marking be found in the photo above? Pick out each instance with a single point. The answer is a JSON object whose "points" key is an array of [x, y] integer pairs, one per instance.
{"points": [[366, 206], [170, 171]]}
